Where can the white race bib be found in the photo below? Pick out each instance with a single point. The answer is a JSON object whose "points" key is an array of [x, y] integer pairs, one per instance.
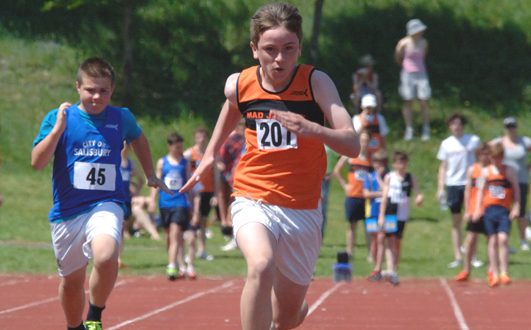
{"points": [[173, 180], [94, 176], [497, 192], [270, 134]]}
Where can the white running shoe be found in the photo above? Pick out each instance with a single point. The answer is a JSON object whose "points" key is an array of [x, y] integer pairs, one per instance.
{"points": [[476, 263], [425, 133], [524, 246], [408, 134], [455, 264], [231, 245]]}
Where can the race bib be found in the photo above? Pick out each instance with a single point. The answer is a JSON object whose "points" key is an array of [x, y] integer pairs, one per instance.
{"points": [[271, 135], [371, 225], [94, 176], [173, 180], [126, 175], [497, 192], [360, 175], [390, 224]]}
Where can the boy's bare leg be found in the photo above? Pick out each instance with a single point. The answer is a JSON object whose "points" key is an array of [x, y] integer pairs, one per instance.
{"points": [[289, 307], [456, 235], [105, 251], [493, 254], [258, 245], [72, 296], [503, 251], [351, 238]]}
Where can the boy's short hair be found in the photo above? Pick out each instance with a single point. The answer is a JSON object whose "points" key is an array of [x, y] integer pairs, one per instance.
{"points": [[483, 148], [400, 156], [455, 116], [202, 130], [496, 150], [273, 15], [379, 156], [174, 137], [95, 67]]}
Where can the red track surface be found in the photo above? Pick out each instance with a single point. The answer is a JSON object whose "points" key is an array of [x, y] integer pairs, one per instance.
{"points": [[30, 302]]}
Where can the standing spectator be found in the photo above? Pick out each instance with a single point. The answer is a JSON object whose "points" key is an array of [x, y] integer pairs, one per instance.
{"points": [[410, 54], [397, 188], [456, 154], [365, 81], [374, 122], [175, 211], [277, 183], [85, 140], [201, 199], [475, 225], [353, 188], [516, 149], [372, 191], [501, 200]]}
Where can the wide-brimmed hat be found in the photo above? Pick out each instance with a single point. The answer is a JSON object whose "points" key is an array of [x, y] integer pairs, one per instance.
{"points": [[367, 60], [415, 26]]}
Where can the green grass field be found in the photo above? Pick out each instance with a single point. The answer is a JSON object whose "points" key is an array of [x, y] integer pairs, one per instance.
{"points": [[37, 76]]}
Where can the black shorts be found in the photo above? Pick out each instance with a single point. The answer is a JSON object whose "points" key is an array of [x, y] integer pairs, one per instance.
{"points": [[354, 209], [204, 203], [177, 215], [524, 190], [400, 227], [455, 196], [127, 212], [476, 227]]}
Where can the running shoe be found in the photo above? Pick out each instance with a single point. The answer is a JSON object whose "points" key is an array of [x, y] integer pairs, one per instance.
{"points": [[455, 264], [524, 246], [204, 256], [476, 263], [394, 279], [408, 134], [505, 279], [93, 325], [462, 276], [494, 280], [376, 276], [231, 245], [190, 272]]}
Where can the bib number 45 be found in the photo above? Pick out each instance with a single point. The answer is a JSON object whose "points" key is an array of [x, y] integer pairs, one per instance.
{"points": [[94, 176], [270, 134]]}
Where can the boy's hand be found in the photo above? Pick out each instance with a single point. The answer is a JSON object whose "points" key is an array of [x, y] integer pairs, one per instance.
{"points": [[476, 216], [155, 182], [515, 212], [381, 223], [419, 199], [60, 123], [292, 121]]}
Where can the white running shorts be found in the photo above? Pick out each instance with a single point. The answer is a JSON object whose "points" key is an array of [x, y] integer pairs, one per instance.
{"points": [[298, 235], [414, 85], [71, 239]]}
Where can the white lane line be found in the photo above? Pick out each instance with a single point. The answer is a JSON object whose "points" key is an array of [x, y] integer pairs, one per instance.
{"points": [[172, 305], [323, 297], [45, 301], [455, 306], [13, 282]]}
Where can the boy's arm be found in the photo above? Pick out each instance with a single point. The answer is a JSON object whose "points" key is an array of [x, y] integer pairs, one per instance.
{"points": [[513, 179], [154, 194], [340, 137], [467, 216], [383, 204], [43, 152], [143, 153], [441, 174], [480, 194], [337, 171], [419, 198], [228, 119]]}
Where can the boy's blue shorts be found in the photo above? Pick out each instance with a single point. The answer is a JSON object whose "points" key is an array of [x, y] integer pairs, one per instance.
{"points": [[496, 220]]}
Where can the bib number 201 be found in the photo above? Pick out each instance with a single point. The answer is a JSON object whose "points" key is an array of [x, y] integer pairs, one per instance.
{"points": [[271, 135], [94, 176]]}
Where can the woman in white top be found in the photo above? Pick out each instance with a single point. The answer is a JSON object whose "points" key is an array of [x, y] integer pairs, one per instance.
{"points": [[516, 149], [410, 53]]}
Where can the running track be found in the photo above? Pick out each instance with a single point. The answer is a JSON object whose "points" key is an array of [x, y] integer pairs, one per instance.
{"points": [[30, 302]]}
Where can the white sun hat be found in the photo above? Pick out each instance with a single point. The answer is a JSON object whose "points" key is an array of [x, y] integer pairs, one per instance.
{"points": [[415, 26]]}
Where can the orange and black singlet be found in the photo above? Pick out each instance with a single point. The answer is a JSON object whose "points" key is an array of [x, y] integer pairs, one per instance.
{"points": [[475, 182], [358, 170], [377, 141], [498, 189], [279, 167]]}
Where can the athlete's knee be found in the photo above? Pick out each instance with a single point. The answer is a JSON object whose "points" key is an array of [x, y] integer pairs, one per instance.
{"points": [[285, 321], [260, 269]]}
